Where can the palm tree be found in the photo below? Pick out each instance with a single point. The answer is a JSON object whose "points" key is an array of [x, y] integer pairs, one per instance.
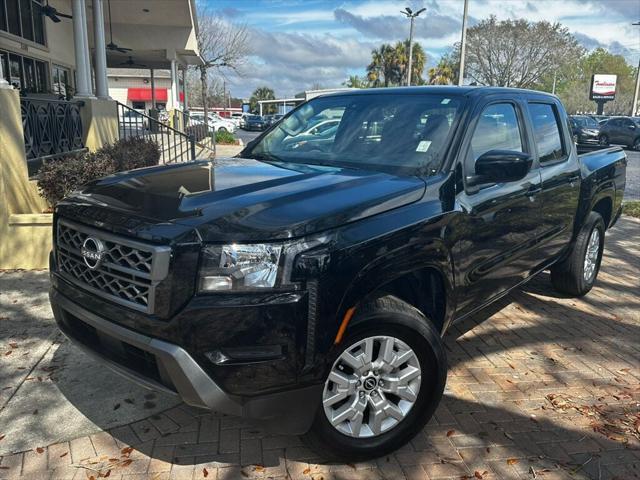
{"points": [[355, 81], [262, 93], [382, 71], [389, 64], [441, 74]]}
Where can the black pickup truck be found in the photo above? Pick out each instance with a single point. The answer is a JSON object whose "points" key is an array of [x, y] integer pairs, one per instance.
{"points": [[308, 282]]}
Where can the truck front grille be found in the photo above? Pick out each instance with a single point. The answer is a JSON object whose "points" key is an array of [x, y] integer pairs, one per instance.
{"points": [[122, 270]]}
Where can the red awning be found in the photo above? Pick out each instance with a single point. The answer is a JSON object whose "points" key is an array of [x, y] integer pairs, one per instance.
{"points": [[144, 94]]}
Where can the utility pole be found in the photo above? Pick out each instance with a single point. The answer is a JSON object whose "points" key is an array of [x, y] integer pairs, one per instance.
{"points": [[411, 16], [553, 89], [634, 105], [463, 43]]}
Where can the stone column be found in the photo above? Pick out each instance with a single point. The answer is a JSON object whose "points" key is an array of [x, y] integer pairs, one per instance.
{"points": [[175, 96], [81, 47], [102, 86]]}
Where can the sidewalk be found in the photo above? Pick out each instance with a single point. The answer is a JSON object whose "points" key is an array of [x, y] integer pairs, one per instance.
{"points": [[540, 387]]}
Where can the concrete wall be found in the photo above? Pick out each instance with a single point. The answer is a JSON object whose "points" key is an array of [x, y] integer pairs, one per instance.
{"points": [[25, 230]]}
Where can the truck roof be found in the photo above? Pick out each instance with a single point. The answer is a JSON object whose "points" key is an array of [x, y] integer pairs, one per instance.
{"points": [[466, 90]]}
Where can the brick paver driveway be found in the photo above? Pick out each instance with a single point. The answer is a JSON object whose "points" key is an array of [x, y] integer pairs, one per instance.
{"points": [[539, 386]]}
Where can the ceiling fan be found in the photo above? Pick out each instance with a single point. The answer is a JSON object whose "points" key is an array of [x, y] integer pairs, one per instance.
{"points": [[111, 45], [130, 63], [49, 11]]}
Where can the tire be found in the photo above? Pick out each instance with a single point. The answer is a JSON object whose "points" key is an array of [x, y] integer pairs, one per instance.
{"points": [[222, 129], [603, 140], [577, 273], [381, 322], [636, 144]]}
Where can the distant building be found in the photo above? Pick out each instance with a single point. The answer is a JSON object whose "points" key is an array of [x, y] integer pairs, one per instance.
{"points": [[132, 87]]}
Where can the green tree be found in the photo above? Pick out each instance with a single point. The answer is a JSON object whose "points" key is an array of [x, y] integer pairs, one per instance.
{"points": [[389, 65], [517, 53], [262, 93], [355, 81], [447, 69], [573, 83]]}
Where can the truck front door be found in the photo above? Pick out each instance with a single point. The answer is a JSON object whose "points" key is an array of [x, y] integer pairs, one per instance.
{"points": [[495, 236]]}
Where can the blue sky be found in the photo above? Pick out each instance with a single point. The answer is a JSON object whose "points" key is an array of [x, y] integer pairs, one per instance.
{"points": [[297, 43]]}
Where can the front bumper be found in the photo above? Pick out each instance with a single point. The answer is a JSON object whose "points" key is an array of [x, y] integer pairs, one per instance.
{"points": [[167, 367]]}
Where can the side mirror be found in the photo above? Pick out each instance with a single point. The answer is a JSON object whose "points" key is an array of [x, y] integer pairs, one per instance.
{"points": [[496, 166], [631, 127]]}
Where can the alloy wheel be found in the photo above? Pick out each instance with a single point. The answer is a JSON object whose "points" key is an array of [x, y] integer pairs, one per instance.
{"points": [[372, 386], [591, 256]]}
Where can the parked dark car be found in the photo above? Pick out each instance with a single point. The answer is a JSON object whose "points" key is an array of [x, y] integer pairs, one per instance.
{"points": [[584, 129], [254, 122], [621, 131], [311, 286]]}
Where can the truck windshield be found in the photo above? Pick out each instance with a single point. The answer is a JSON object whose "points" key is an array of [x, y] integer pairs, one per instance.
{"points": [[391, 133]]}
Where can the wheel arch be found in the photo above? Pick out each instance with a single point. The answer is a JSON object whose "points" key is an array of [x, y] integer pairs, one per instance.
{"points": [[428, 288], [604, 206]]}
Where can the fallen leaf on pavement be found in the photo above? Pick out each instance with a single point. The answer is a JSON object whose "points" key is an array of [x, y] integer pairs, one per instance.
{"points": [[40, 450], [64, 454], [450, 432], [512, 461], [205, 472], [306, 471]]}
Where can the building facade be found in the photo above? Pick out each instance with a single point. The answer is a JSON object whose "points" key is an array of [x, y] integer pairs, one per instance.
{"points": [[55, 99]]}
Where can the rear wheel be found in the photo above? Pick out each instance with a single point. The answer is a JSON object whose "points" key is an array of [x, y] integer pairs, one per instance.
{"points": [[577, 273], [603, 140], [222, 129], [636, 144], [384, 383]]}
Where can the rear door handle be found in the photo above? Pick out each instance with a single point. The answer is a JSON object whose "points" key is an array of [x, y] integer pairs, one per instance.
{"points": [[534, 190]]}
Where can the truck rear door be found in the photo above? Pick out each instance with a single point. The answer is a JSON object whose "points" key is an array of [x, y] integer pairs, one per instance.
{"points": [[560, 171]]}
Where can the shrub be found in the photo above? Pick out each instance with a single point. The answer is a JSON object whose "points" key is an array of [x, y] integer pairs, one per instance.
{"points": [[225, 138], [131, 153], [58, 178]]}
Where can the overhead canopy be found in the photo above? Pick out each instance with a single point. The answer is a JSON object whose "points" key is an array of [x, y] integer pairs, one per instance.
{"points": [[155, 31]]}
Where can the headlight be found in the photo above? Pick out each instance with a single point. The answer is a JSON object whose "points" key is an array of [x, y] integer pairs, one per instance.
{"points": [[239, 267]]}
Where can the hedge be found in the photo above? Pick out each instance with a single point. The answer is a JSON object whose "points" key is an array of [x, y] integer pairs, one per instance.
{"points": [[58, 178]]}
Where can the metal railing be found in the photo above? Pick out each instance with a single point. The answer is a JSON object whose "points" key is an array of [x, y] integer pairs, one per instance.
{"points": [[175, 146], [51, 128]]}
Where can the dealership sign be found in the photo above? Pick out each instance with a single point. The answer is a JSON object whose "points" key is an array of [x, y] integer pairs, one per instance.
{"points": [[603, 87]]}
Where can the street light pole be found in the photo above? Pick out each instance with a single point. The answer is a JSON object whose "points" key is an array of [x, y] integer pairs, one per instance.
{"points": [[411, 15], [463, 43], [634, 105]]}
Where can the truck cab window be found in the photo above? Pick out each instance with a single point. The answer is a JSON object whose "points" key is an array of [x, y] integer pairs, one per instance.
{"points": [[497, 129], [547, 132]]}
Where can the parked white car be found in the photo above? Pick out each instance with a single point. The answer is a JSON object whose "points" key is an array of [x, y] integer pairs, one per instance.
{"points": [[215, 122]]}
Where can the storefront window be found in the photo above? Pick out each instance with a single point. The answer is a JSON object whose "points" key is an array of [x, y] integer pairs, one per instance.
{"points": [[26, 74], [23, 18], [61, 81]]}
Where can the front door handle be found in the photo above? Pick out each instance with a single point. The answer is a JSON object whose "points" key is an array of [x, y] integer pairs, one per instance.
{"points": [[534, 190], [573, 180]]}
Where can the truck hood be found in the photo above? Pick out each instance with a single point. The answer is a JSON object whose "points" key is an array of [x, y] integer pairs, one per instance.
{"points": [[243, 199]]}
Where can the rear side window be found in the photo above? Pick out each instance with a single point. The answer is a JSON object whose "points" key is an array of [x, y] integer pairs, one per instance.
{"points": [[547, 132]]}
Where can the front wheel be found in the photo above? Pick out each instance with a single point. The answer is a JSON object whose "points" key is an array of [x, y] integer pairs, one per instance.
{"points": [[577, 273], [603, 140], [222, 129], [383, 384], [636, 144]]}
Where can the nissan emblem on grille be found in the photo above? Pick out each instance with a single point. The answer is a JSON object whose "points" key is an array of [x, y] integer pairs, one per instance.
{"points": [[92, 252]]}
